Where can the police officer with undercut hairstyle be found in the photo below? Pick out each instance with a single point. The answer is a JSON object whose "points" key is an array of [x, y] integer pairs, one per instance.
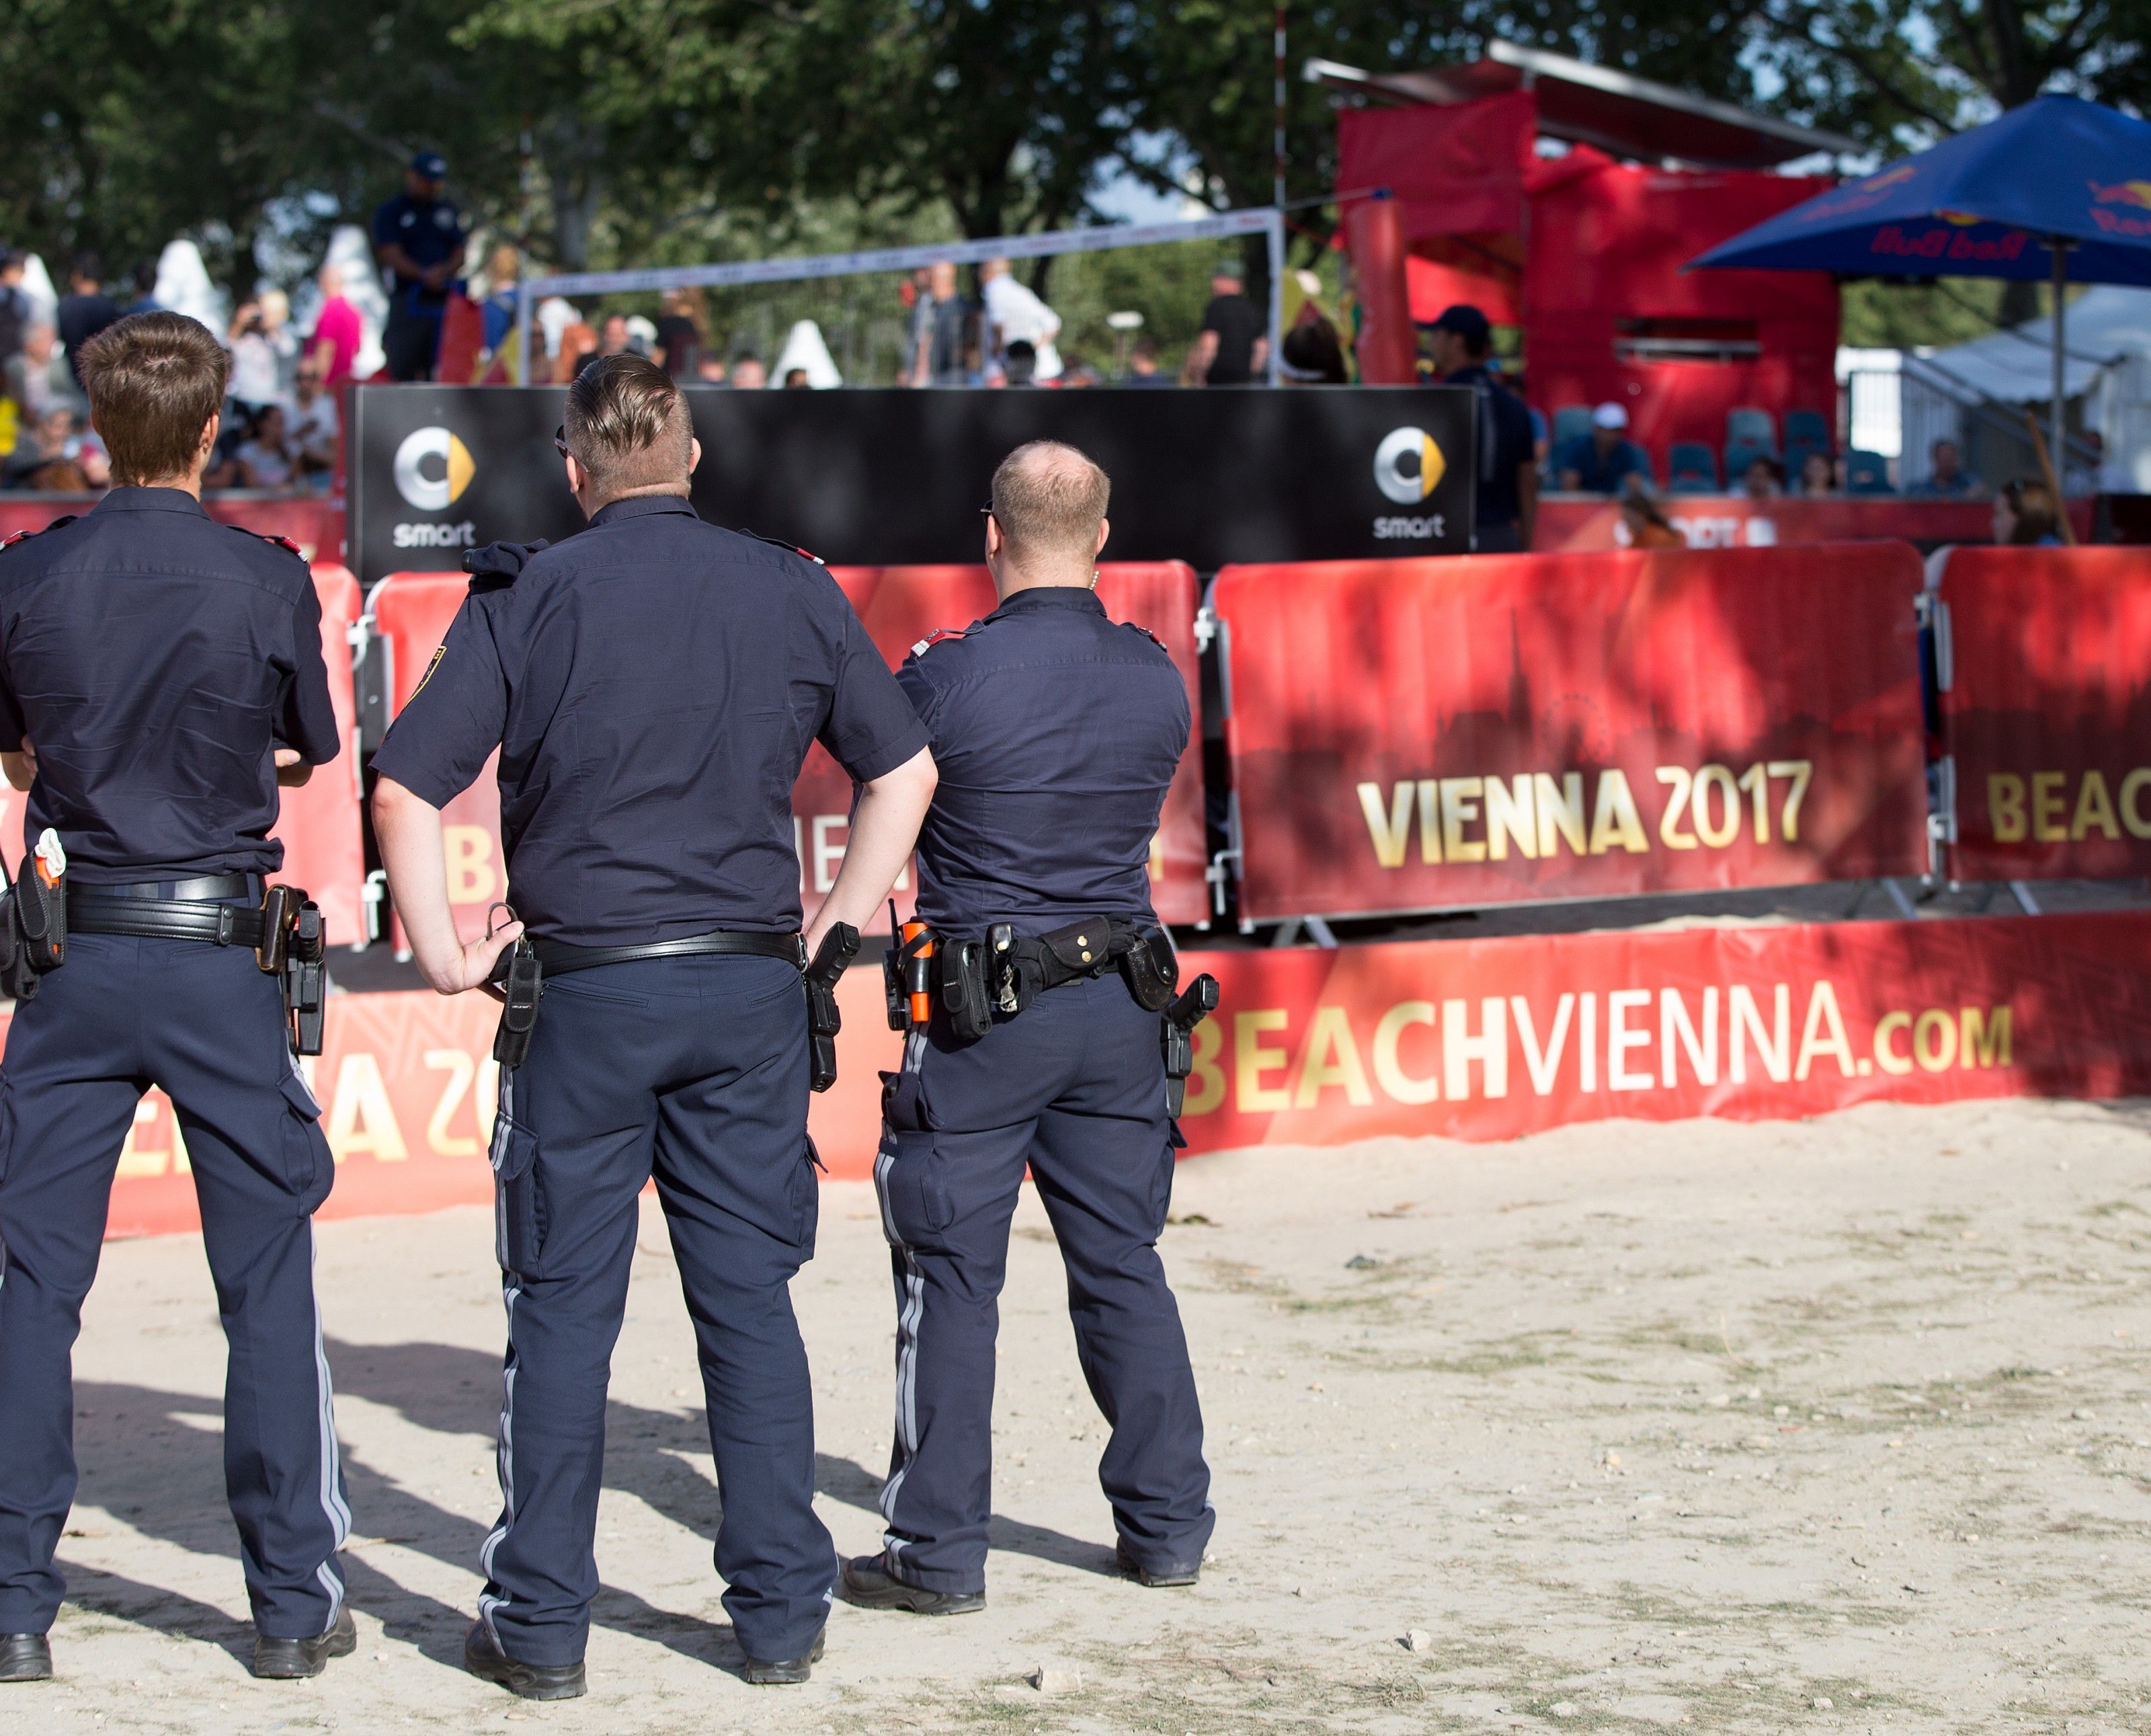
{"points": [[652, 684], [1048, 990], [160, 675]]}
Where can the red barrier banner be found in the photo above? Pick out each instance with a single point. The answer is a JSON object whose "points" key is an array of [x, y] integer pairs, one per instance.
{"points": [[1420, 735], [314, 524], [1475, 1040], [317, 822], [1573, 523], [2046, 712], [901, 605]]}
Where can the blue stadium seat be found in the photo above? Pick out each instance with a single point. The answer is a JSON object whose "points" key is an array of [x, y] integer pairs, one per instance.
{"points": [[1739, 456], [1570, 422], [1807, 430], [1867, 473], [1750, 428], [1691, 468]]}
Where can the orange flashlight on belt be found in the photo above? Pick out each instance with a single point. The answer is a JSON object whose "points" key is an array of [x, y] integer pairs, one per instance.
{"points": [[918, 971]]}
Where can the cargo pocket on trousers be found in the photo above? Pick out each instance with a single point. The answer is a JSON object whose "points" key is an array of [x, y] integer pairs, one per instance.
{"points": [[518, 1213], [915, 1188], [309, 1166], [807, 1198]]}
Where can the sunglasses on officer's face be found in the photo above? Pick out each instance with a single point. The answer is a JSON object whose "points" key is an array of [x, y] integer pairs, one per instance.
{"points": [[560, 441], [986, 512]]}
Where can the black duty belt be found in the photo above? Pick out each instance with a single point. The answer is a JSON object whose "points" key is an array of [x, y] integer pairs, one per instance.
{"points": [[559, 957], [187, 912]]}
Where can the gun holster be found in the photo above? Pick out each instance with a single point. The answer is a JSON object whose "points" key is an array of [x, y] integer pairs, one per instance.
{"points": [[1180, 1019], [521, 980], [824, 1019], [294, 946]]}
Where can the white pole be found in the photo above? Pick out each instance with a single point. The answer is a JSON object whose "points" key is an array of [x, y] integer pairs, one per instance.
{"points": [[523, 329], [2059, 248], [1277, 295]]}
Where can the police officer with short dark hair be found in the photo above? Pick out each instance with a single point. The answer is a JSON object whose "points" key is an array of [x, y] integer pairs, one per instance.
{"points": [[652, 684], [1055, 732], [1505, 498], [160, 674], [418, 242]]}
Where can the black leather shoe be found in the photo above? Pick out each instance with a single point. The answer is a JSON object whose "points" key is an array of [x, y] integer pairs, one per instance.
{"points": [[869, 1584], [783, 1672], [1174, 1573], [482, 1657], [25, 1657], [288, 1660]]}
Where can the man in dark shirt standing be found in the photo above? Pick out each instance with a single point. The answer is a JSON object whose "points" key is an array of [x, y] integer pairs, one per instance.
{"points": [[1234, 347], [937, 331], [653, 685], [1055, 732], [160, 675], [84, 311], [1506, 492], [1601, 460], [418, 240]]}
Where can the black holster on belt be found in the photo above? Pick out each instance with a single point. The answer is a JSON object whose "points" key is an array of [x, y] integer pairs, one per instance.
{"points": [[294, 946], [838, 947], [1180, 1019], [521, 980]]}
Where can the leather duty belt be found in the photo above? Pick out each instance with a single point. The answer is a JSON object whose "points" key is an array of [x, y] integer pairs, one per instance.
{"points": [[558, 958], [102, 912]]}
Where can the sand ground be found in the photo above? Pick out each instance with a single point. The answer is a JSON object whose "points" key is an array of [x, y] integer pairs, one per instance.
{"points": [[1836, 1425]]}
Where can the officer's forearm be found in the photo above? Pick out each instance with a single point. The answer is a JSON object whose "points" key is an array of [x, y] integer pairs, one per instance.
{"points": [[883, 829], [409, 829]]}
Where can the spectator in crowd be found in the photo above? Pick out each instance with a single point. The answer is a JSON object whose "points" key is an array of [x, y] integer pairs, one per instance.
{"points": [[55, 457], [146, 288], [1764, 479], [938, 326], [14, 303], [1946, 478], [2027, 516], [1506, 488], [315, 422], [710, 369], [1077, 373], [750, 373], [796, 380], [1142, 365], [418, 242], [503, 271], [1014, 315], [35, 381], [1019, 366], [1313, 355], [268, 457], [253, 382], [1234, 347], [338, 331], [679, 332], [614, 339], [1818, 474], [1601, 460], [1645, 519], [84, 311]]}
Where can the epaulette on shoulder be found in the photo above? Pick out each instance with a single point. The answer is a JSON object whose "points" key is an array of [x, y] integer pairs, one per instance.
{"points": [[935, 637], [263, 536], [497, 565], [1138, 627], [17, 536], [778, 542]]}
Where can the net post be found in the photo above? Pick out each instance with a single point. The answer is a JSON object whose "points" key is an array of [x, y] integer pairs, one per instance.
{"points": [[1274, 230]]}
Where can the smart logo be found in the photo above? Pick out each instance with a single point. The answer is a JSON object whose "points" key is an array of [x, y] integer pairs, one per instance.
{"points": [[1408, 465], [432, 468]]}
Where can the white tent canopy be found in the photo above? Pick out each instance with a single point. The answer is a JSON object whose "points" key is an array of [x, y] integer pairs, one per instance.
{"points": [[2106, 325]]}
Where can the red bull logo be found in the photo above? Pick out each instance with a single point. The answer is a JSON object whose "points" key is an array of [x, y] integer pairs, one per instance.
{"points": [[2135, 194], [1895, 241]]}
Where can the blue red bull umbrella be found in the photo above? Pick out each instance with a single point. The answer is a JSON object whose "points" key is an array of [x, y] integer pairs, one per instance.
{"points": [[2058, 189]]}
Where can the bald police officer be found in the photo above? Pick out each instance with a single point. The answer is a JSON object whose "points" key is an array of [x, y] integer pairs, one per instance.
{"points": [[1055, 732], [160, 674], [653, 685]]}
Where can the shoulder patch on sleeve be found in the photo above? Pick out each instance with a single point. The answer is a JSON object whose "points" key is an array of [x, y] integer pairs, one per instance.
{"points": [[498, 565], [935, 637], [778, 542]]}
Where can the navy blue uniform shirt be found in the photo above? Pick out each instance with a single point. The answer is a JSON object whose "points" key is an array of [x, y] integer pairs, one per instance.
{"points": [[1055, 730], [154, 660], [429, 231], [1505, 445], [653, 684]]}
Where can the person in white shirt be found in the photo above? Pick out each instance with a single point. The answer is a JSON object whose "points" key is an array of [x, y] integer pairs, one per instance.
{"points": [[268, 458], [1014, 314], [314, 422]]}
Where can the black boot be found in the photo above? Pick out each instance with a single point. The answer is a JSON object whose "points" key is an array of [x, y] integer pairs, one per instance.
{"points": [[25, 1657], [288, 1660], [483, 1657], [1165, 1573], [784, 1672], [868, 1583]]}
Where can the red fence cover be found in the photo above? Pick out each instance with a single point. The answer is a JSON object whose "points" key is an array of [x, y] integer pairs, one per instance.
{"points": [[1418, 734], [314, 524], [1570, 524], [318, 822], [2047, 713]]}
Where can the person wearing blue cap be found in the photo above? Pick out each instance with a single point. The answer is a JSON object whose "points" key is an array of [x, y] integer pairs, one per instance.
{"points": [[418, 242]]}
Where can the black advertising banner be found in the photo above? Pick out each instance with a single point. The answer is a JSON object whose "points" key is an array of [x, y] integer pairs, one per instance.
{"points": [[892, 476]]}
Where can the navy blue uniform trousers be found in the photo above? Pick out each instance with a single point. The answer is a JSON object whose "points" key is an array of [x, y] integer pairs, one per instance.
{"points": [[121, 1014], [693, 1070], [1074, 1086]]}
